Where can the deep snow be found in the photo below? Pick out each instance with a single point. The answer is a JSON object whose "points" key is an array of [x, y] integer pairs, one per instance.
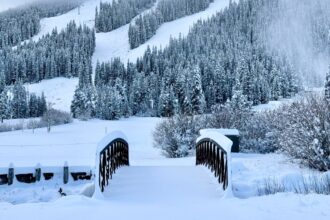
{"points": [[76, 143]]}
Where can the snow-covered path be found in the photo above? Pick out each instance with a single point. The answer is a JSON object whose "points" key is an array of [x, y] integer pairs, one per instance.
{"points": [[151, 185]]}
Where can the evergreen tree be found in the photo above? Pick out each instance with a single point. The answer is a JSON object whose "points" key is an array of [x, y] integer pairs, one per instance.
{"points": [[167, 102], [83, 104], [42, 104], [33, 106], [327, 87], [19, 104], [197, 94], [4, 111]]}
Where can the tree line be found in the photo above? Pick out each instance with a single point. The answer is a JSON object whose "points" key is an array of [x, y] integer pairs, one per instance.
{"points": [[22, 23], [110, 16], [146, 25], [66, 53], [16, 102]]}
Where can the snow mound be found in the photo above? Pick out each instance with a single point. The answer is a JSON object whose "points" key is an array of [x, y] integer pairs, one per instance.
{"points": [[216, 136]]}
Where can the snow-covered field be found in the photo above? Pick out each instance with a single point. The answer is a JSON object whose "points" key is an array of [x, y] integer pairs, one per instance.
{"points": [[281, 206], [153, 182]]}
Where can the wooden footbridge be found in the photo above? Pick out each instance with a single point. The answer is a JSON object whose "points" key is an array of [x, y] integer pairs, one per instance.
{"points": [[157, 183]]}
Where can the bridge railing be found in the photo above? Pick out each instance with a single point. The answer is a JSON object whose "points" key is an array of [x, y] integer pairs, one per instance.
{"points": [[110, 157], [213, 151]]}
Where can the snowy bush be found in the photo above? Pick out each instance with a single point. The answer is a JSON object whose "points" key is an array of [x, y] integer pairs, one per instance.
{"points": [[176, 136], [257, 134], [55, 117], [8, 127], [305, 132], [319, 184]]}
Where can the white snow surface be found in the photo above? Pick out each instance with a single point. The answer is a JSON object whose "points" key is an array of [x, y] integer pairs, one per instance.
{"points": [[216, 136], [58, 91]]}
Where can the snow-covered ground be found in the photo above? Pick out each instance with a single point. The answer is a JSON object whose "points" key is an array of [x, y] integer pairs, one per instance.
{"points": [[76, 143], [58, 91], [131, 203]]}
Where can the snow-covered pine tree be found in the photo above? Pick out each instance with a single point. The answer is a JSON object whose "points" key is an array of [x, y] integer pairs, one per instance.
{"points": [[4, 106], [33, 106], [166, 106], [19, 104], [42, 104], [2, 76], [83, 103], [239, 101], [197, 94], [327, 87]]}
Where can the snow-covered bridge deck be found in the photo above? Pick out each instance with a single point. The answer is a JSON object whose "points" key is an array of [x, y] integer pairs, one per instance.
{"points": [[151, 185], [163, 186]]}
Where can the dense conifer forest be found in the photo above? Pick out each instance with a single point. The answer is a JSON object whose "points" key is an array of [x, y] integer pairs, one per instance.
{"points": [[146, 25], [110, 16], [22, 23], [194, 73]]}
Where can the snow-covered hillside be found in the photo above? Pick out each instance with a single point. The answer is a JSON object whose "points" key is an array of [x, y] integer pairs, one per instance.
{"points": [[109, 45], [115, 43]]}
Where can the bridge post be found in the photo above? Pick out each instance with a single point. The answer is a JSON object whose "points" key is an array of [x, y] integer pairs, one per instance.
{"points": [[65, 173], [38, 173], [11, 174]]}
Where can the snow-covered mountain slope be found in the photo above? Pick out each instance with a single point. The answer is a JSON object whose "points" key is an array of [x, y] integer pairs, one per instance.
{"points": [[85, 14], [115, 43], [109, 45]]}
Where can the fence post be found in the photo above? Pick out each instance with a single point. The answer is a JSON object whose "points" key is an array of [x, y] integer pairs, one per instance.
{"points": [[66, 173], [38, 173], [11, 174]]}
